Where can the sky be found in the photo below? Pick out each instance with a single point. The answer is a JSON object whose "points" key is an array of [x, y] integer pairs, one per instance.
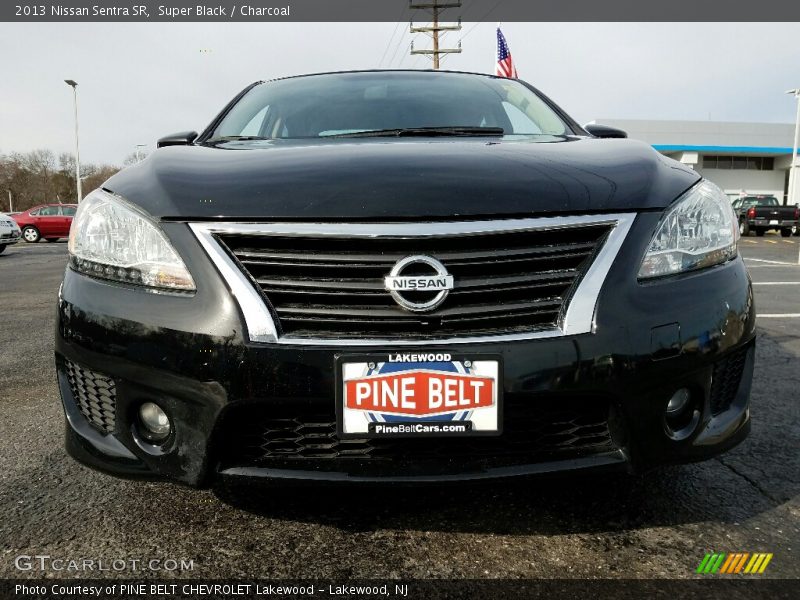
{"points": [[141, 81]]}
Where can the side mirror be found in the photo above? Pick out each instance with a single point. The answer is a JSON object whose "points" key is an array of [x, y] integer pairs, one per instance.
{"points": [[184, 138], [604, 131]]}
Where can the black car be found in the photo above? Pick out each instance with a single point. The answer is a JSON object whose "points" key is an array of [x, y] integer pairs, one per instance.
{"points": [[402, 276], [762, 213]]}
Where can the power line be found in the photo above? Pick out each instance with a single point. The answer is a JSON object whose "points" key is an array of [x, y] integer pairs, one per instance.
{"points": [[403, 58], [389, 43], [482, 19], [394, 54]]}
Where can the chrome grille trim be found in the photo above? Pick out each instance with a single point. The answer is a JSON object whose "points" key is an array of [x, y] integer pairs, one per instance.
{"points": [[578, 318]]}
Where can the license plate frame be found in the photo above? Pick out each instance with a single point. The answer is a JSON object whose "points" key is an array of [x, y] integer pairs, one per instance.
{"points": [[481, 366]]}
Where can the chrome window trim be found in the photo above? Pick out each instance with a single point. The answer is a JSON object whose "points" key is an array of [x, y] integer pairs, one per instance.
{"points": [[578, 319]]}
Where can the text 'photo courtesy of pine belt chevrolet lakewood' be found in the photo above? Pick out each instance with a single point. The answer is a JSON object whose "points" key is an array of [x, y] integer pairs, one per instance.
{"points": [[353, 277]]}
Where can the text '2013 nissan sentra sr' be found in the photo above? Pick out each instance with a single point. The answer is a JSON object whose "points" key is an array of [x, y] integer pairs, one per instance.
{"points": [[402, 276]]}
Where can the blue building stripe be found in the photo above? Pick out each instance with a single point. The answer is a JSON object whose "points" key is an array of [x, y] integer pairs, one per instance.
{"points": [[736, 149]]}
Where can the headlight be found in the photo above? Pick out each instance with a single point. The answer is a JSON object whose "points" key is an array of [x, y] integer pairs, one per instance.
{"points": [[698, 230], [112, 239]]}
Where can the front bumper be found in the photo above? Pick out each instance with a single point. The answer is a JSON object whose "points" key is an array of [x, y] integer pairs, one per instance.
{"points": [[188, 354]]}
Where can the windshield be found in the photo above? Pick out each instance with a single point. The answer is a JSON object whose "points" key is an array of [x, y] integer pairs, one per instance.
{"points": [[339, 104], [760, 201]]}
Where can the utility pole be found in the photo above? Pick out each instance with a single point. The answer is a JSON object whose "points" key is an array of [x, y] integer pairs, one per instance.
{"points": [[435, 28], [10, 204]]}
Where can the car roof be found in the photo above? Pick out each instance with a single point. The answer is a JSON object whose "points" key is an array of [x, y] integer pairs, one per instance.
{"points": [[431, 72]]}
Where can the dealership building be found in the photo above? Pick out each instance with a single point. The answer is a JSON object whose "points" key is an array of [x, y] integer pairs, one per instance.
{"points": [[741, 158]]}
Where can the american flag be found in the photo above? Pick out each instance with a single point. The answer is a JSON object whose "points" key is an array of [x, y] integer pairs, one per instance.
{"points": [[505, 64]]}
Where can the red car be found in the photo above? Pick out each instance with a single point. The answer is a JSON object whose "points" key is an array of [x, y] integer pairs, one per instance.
{"points": [[48, 221]]}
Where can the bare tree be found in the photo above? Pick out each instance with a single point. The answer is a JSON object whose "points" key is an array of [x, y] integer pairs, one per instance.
{"points": [[37, 177], [134, 158]]}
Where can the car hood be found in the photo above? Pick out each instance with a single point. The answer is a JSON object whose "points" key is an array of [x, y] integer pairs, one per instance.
{"points": [[380, 178]]}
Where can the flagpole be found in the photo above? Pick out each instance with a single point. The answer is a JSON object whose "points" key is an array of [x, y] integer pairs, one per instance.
{"points": [[494, 66], [504, 66]]}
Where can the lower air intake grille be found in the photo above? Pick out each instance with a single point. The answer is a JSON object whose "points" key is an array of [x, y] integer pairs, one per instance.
{"points": [[534, 429], [504, 282], [725, 380], [95, 395]]}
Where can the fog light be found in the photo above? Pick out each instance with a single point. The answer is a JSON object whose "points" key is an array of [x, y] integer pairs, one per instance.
{"points": [[678, 402], [681, 416], [155, 424]]}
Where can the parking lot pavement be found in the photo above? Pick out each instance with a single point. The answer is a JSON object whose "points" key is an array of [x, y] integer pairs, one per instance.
{"points": [[656, 525], [774, 264]]}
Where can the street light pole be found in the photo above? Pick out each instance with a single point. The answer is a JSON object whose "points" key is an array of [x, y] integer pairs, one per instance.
{"points": [[74, 86], [793, 199], [137, 151]]}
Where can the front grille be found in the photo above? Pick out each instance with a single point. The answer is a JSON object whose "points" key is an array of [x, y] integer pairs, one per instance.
{"points": [[535, 429], [95, 395], [725, 380], [333, 287]]}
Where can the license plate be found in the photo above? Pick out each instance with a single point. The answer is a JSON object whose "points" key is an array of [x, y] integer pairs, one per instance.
{"points": [[418, 394], [773, 221]]}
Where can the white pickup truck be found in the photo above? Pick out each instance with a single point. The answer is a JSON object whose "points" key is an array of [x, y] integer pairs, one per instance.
{"points": [[9, 232]]}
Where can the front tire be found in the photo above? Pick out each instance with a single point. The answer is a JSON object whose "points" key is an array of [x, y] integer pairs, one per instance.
{"points": [[786, 232], [3, 248], [31, 235]]}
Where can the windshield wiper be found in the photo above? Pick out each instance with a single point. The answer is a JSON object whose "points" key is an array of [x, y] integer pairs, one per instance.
{"points": [[235, 138], [423, 132]]}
